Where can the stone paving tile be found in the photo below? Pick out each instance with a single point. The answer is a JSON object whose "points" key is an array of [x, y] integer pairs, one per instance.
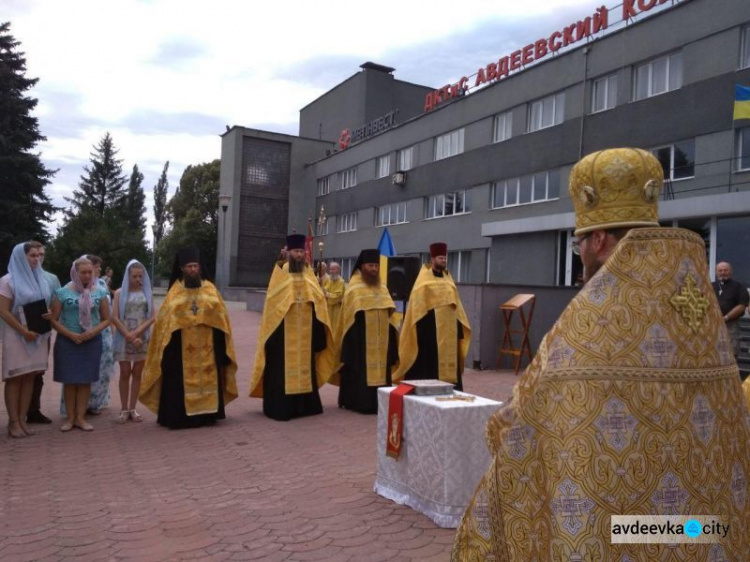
{"points": [[249, 488]]}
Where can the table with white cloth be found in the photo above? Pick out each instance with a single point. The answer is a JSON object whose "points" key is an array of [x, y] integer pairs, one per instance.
{"points": [[443, 455]]}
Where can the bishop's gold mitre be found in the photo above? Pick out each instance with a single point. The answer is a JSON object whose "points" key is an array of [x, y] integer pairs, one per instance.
{"points": [[616, 188]]}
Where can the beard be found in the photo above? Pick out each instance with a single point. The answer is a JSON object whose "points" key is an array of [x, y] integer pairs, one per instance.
{"points": [[438, 268], [335, 277], [296, 266], [371, 279], [192, 281]]}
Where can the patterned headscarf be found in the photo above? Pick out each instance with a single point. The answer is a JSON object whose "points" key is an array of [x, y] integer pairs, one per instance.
{"points": [[84, 303], [119, 341], [28, 284]]}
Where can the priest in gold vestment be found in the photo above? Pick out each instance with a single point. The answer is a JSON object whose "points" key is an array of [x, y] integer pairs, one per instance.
{"points": [[190, 369], [334, 287], [435, 335], [632, 405], [294, 357], [366, 338]]}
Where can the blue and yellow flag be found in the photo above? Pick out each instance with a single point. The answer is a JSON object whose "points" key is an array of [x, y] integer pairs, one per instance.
{"points": [[741, 102], [386, 249]]}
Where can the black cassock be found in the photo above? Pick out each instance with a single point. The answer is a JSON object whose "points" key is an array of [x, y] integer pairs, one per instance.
{"points": [[354, 394], [426, 364], [172, 412], [277, 404]]}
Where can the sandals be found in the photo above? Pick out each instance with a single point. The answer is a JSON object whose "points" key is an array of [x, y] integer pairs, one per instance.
{"points": [[84, 426], [18, 433], [125, 415], [67, 426]]}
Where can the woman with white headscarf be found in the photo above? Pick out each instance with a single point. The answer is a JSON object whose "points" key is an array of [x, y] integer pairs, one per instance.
{"points": [[25, 352], [80, 311], [133, 315]]}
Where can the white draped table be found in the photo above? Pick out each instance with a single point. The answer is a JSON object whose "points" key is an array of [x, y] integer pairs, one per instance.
{"points": [[443, 456]]}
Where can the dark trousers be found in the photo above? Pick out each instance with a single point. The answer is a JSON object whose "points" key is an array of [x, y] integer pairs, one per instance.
{"points": [[36, 395]]}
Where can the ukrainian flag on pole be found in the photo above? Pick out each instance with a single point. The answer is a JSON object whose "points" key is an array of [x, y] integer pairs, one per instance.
{"points": [[386, 249], [741, 102]]}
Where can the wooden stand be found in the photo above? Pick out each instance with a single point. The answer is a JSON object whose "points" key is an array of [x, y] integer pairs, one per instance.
{"points": [[507, 346]]}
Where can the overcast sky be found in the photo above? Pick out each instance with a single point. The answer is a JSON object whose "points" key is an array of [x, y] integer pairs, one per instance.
{"points": [[164, 77]]}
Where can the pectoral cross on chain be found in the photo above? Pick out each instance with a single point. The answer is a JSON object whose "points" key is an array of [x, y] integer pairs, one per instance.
{"points": [[194, 308]]}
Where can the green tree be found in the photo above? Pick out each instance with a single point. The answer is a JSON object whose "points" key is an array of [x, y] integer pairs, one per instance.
{"points": [[103, 185], [194, 212], [25, 209], [161, 213], [135, 203]]}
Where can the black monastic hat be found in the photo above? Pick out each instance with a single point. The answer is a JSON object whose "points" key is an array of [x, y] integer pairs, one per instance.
{"points": [[181, 259], [367, 256], [295, 242]]}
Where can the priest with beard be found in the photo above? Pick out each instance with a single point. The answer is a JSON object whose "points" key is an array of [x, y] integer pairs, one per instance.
{"points": [[190, 368], [436, 333], [294, 355], [367, 337]]}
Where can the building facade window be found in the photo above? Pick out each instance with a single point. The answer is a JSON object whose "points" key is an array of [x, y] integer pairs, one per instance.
{"points": [[458, 265], [743, 151], [405, 159], [346, 266], [382, 166], [449, 144], [349, 178], [604, 93], [503, 127], [324, 186], [347, 222], [390, 214], [745, 51], [447, 204], [533, 188], [658, 76], [546, 112], [677, 160]]}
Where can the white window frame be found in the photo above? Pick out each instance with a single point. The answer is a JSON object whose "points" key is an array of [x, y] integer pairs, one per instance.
{"points": [[394, 213], [449, 144], [609, 83], [502, 128], [348, 177], [538, 122], [346, 222], [745, 48], [671, 59], [405, 159], [741, 149], [324, 186], [671, 148], [515, 185], [435, 201], [382, 166], [457, 272], [346, 266]]}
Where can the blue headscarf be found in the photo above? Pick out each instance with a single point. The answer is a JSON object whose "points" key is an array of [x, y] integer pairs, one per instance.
{"points": [[28, 284], [119, 341]]}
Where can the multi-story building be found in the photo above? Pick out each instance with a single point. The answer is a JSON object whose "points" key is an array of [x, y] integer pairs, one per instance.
{"points": [[486, 168]]}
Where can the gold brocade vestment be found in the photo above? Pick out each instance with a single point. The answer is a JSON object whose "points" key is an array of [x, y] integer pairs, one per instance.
{"points": [[293, 298], [441, 295], [632, 406], [196, 313], [335, 294], [378, 306]]}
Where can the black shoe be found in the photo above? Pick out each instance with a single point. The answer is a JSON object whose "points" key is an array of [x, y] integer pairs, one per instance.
{"points": [[37, 417]]}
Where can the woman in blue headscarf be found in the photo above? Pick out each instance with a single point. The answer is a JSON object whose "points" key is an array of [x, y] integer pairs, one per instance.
{"points": [[133, 315], [25, 353]]}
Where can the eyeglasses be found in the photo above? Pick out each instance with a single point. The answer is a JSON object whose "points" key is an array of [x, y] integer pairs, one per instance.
{"points": [[577, 243]]}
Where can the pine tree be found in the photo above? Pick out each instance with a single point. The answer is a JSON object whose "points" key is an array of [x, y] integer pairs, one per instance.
{"points": [[135, 204], [25, 209], [103, 185], [160, 205]]}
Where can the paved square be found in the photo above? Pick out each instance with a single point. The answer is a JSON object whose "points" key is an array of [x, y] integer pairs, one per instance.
{"points": [[248, 488]]}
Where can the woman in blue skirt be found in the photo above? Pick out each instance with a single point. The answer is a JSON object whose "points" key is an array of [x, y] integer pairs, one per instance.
{"points": [[80, 311]]}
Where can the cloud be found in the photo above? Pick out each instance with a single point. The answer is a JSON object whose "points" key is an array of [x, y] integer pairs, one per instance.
{"points": [[149, 122], [178, 51]]}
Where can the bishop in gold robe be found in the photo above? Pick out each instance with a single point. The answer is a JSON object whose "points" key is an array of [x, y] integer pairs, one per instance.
{"points": [[435, 335], [190, 370], [294, 357], [632, 405], [366, 338]]}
